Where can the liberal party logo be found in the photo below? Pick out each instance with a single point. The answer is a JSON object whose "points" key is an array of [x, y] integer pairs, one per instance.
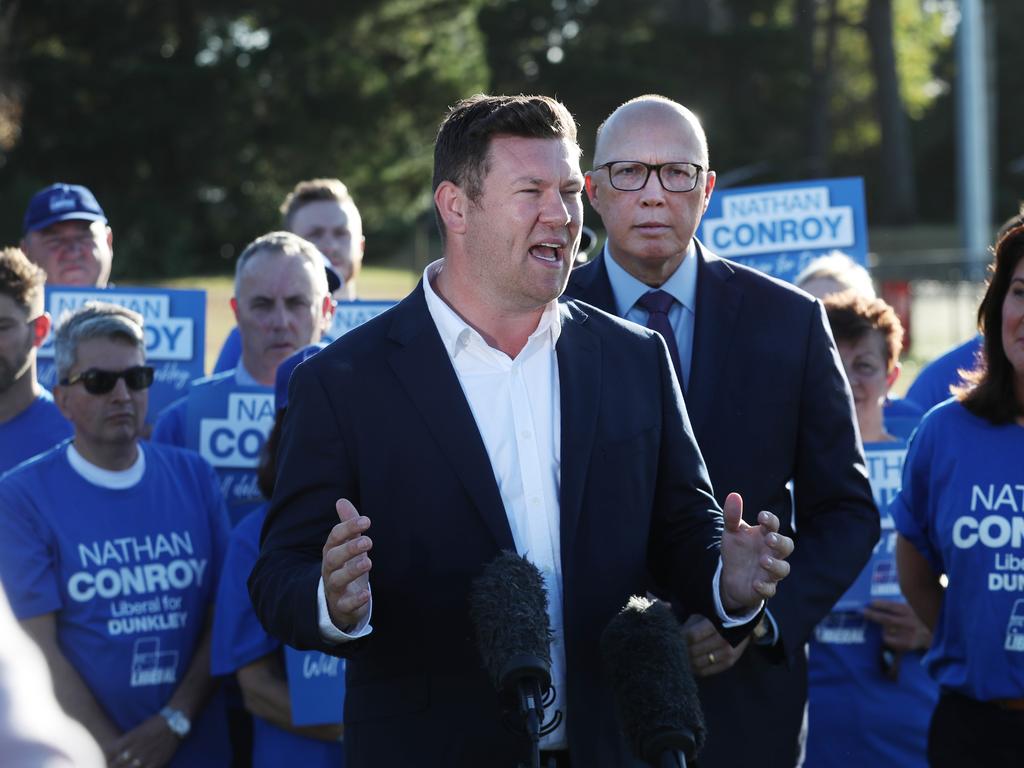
{"points": [[152, 666]]}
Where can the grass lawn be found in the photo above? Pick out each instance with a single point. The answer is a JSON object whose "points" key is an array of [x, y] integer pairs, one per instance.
{"points": [[374, 283]]}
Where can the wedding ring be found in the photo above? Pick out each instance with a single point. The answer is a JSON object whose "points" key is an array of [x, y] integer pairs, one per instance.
{"points": [[711, 659]]}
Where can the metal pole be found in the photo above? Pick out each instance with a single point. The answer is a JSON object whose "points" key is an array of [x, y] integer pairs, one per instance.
{"points": [[973, 152]]}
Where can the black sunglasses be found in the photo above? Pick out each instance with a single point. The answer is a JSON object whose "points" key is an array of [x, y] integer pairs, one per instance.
{"points": [[99, 382]]}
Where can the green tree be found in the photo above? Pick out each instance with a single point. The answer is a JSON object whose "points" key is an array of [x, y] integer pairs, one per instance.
{"points": [[191, 121]]}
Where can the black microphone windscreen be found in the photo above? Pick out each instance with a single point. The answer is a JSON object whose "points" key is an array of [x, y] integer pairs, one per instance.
{"points": [[509, 609], [646, 659]]}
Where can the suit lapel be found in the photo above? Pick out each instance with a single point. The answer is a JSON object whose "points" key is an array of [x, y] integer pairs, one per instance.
{"points": [[718, 305], [579, 376], [425, 371], [590, 283]]}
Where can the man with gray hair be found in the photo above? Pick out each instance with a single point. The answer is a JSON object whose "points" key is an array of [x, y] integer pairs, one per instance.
{"points": [[282, 304], [109, 553], [29, 421], [322, 212]]}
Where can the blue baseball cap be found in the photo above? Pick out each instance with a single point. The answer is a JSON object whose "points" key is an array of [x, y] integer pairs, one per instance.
{"points": [[284, 373], [333, 278], [61, 202]]}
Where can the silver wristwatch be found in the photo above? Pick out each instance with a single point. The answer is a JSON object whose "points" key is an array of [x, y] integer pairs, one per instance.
{"points": [[176, 721]]}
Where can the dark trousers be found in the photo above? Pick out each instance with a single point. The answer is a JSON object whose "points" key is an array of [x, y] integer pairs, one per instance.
{"points": [[965, 733]]}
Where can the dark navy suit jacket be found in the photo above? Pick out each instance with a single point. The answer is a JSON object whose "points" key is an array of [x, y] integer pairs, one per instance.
{"points": [[768, 402], [379, 417]]}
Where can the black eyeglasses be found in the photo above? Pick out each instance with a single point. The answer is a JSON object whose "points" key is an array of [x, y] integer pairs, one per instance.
{"points": [[631, 175], [100, 382]]}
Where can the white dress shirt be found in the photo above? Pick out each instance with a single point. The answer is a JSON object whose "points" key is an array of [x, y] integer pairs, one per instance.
{"points": [[681, 286], [516, 406], [515, 403]]}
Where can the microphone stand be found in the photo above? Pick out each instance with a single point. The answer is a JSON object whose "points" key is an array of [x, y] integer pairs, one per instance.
{"points": [[670, 749], [527, 677]]}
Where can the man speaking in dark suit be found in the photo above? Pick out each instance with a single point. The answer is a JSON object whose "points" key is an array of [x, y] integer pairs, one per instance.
{"points": [[768, 403], [480, 415]]}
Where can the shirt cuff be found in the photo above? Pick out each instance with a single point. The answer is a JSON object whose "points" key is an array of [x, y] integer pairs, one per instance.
{"points": [[331, 633], [727, 621], [771, 637]]}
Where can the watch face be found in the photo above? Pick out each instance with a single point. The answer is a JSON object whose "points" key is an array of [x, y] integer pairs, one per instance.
{"points": [[177, 722]]}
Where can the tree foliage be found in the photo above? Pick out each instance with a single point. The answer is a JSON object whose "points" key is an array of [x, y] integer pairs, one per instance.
{"points": [[191, 120]]}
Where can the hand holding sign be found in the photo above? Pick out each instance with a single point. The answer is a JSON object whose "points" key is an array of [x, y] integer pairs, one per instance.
{"points": [[346, 566], [901, 629]]}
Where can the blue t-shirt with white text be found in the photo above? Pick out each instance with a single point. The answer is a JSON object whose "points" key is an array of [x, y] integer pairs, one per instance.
{"points": [[239, 639], [130, 574], [226, 422], [962, 507], [855, 714]]}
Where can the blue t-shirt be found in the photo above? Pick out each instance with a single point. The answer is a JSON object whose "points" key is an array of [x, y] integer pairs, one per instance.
{"points": [[932, 384], [226, 421], [855, 714], [131, 575], [239, 639], [901, 417], [230, 353], [962, 507], [36, 429]]}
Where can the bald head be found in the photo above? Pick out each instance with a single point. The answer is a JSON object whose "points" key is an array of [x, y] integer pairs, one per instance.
{"points": [[650, 227], [637, 116]]}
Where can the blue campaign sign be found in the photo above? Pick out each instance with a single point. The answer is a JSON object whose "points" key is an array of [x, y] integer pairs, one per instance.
{"points": [[779, 228], [227, 424], [316, 686], [879, 579], [175, 329], [350, 314]]}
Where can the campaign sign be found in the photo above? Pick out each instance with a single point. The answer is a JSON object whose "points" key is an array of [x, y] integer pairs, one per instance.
{"points": [[879, 579], [174, 328], [780, 228], [227, 424], [316, 686], [350, 314]]}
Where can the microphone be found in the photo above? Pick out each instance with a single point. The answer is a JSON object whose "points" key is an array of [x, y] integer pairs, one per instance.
{"points": [[647, 662], [508, 605]]}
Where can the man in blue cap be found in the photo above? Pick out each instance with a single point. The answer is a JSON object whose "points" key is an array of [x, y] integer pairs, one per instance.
{"points": [[66, 233]]}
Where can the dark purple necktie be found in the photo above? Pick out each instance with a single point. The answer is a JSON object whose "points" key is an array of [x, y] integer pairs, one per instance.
{"points": [[658, 303]]}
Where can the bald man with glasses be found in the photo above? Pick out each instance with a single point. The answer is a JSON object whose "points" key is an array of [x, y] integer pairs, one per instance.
{"points": [[768, 402]]}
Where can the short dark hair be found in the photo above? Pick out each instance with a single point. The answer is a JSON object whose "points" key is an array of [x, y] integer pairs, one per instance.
{"points": [[310, 191], [21, 280], [852, 315], [464, 138], [988, 390]]}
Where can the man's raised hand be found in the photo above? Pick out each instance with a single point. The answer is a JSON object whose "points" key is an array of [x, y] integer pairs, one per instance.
{"points": [[753, 557], [346, 567]]}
